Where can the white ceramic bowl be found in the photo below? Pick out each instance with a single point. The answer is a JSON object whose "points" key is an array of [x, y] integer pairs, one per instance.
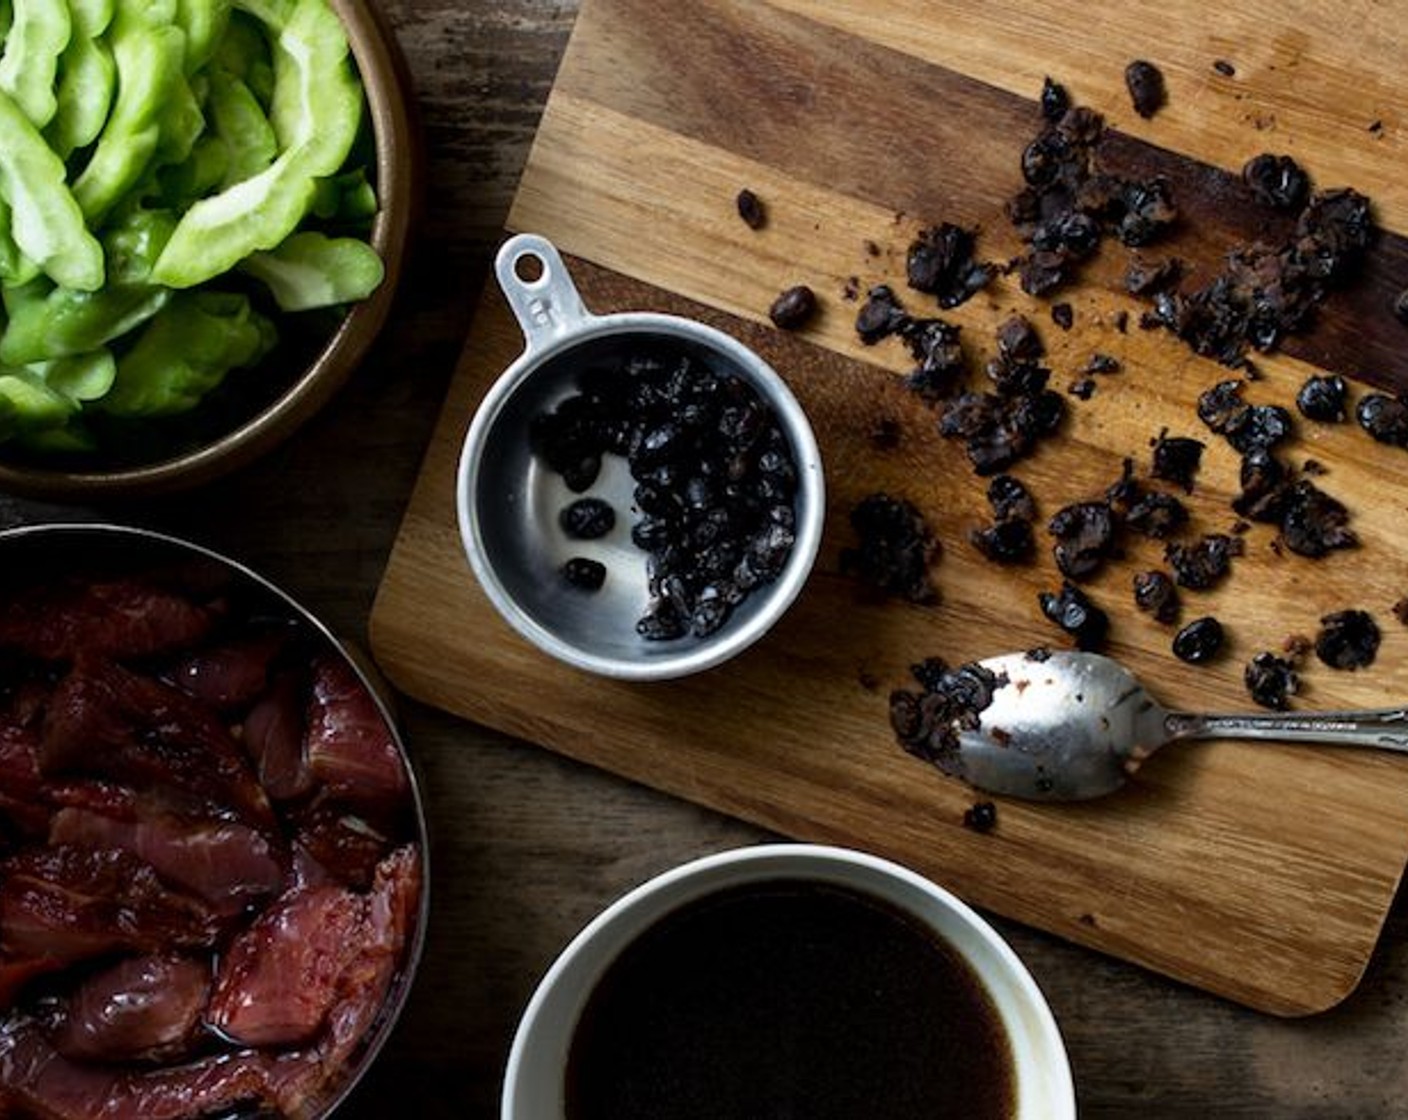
{"points": [[535, 1079]]}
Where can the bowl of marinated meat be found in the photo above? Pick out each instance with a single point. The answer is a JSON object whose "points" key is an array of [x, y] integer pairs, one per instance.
{"points": [[213, 878]]}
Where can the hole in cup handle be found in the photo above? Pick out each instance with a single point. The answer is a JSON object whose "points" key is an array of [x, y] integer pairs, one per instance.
{"points": [[548, 305]]}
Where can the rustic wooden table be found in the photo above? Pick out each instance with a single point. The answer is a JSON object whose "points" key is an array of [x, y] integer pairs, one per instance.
{"points": [[528, 846]]}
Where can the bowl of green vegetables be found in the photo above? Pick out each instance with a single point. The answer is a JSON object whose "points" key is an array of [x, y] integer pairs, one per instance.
{"points": [[205, 206]]}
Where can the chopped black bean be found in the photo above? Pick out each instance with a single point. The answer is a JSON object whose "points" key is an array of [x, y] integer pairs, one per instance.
{"points": [[751, 209], [1347, 640], [1156, 514], [1145, 83], [940, 262], [793, 308], [981, 816], [1005, 542], [1176, 459], [1199, 641], [1312, 522], [1085, 538], [1142, 278], [896, 547], [1271, 681], [1054, 100], [1384, 417], [1101, 363], [1203, 563], [1010, 499], [1074, 612], [1155, 594], [1322, 399], [1276, 181]]}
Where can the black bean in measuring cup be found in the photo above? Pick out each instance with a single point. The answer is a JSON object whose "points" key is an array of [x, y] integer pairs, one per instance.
{"points": [[587, 519], [584, 573], [715, 480]]}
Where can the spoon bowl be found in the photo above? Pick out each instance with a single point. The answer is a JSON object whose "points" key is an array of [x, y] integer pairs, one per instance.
{"points": [[1070, 726]]}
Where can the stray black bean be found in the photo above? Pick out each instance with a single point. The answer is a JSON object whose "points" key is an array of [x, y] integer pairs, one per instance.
{"points": [[1155, 593], [1322, 399], [1347, 640], [1145, 83], [1077, 615], [751, 209], [895, 549], [793, 308], [1199, 641], [1271, 681]]}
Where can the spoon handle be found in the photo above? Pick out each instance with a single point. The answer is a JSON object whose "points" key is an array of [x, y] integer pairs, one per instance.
{"points": [[1385, 728]]}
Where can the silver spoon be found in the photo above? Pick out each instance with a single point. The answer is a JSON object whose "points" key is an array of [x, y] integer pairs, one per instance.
{"points": [[1077, 725]]}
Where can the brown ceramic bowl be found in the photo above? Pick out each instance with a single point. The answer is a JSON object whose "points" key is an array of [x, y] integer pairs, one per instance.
{"points": [[305, 377]]}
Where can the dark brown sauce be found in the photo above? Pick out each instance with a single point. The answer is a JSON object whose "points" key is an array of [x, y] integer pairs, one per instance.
{"points": [[789, 999]]}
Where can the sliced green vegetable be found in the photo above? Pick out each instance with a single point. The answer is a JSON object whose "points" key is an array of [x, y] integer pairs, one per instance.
{"points": [[15, 267], [345, 198], [132, 242], [6, 18], [39, 32], [66, 322], [87, 82], [239, 121], [181, 122], [46, 221], [28, 404], [73, 438], [184, 352], [312, 270], [244, 53], [148, 49], [87, 79], [276, 14], [80, 377], [205, 169], [317, 108], [204, 23]]}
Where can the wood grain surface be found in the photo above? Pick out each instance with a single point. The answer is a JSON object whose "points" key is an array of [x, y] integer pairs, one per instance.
{"points": [[529, 844], [1260, 873]]}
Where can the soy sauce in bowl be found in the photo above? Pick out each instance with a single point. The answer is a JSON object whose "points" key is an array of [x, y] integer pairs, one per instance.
{"points": [[783, 998]]}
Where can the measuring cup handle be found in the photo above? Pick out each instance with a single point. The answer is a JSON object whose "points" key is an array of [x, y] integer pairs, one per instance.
{"points": [[548, 305]]}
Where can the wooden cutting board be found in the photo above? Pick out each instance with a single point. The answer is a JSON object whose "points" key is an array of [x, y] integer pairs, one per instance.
{"points": [[1259, 872]]}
